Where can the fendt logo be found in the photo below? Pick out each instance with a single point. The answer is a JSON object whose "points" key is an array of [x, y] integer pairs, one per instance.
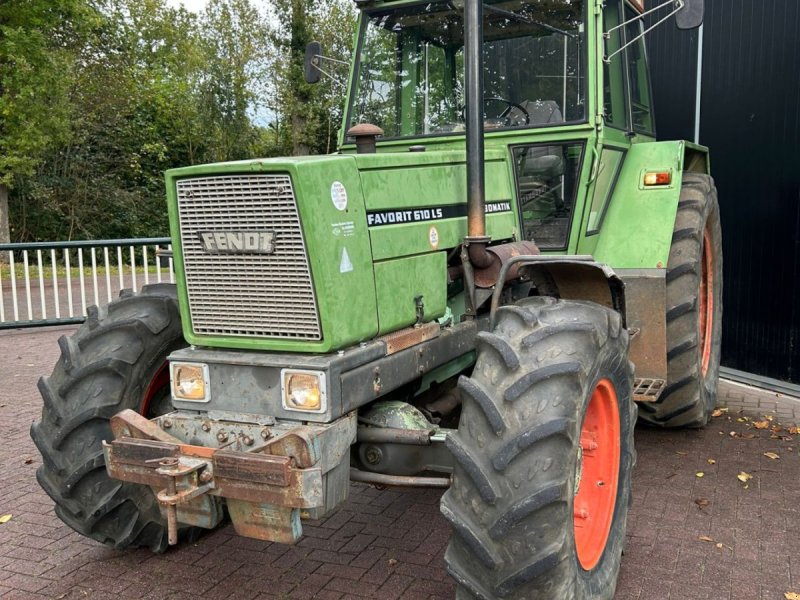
{"points": [[237, 242]]}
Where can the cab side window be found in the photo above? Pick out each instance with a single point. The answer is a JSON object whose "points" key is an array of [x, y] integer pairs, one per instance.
{"points": [[614, 76], [638, 77]]}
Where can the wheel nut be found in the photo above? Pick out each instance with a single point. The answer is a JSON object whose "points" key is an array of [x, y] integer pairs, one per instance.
{"points": [[373, 455], [205, 476], [166, 423], [222, 437], [205, 427], [265, 433], [248, 441]]}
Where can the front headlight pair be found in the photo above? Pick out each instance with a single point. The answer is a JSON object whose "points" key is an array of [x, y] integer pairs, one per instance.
{"points": [[301, 390]]}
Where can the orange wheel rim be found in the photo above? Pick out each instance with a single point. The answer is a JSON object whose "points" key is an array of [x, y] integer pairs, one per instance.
{"points": [[159, 381], [706, 307], [597, 478]]}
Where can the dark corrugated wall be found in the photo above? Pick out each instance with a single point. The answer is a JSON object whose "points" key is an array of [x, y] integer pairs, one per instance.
{"points": [[750, 119]]}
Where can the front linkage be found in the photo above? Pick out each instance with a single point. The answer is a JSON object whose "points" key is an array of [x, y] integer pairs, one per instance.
{"points": [[267, 471]]}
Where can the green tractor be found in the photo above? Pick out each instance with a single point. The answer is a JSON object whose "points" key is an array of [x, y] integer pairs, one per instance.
{"points": [[496, 273]]}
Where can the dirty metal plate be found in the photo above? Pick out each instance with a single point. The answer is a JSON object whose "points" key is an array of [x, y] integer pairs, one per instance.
{"points": [[266, 521], [145, 453], [410, 336], [648, 390], [256, 468]]}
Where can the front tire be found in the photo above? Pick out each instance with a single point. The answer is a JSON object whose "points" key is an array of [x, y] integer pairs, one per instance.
{"points": [[541, 488], [114, 361]]}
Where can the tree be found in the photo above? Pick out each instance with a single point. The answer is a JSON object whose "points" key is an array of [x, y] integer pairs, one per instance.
{"points": [[236, 46], [38, 43], [310, 113]]}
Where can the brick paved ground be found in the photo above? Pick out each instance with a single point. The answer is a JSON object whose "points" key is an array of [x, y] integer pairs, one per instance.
{"points": [[389, 544]]}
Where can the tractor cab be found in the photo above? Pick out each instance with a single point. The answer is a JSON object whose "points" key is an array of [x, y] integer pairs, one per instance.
{"points": [[409, 68]]}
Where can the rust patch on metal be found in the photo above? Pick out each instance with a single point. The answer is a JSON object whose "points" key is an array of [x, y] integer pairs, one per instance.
{"points": [[297, 444], [142, 452], [410, 336], [265, 522], [128, 423], [256, 468], [487, 277], [198, 451], [648, 390]]}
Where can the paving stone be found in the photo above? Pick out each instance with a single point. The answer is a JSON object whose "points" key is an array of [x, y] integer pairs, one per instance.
{"points": [[375, 547]]}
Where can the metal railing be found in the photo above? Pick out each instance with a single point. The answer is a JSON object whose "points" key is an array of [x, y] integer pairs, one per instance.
{"points": [[54, 283]]}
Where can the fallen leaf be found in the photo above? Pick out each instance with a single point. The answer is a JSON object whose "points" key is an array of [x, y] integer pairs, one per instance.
{"points": [[718, 412], [699, 474], [720, 545], [742, 419], [793, 429], [761, 424], [5, 519], [392, 562], [744, 477], [28, 461], [702, 502], [679, 453], [769, 417], [705, 538], [791, 596], [711, 461], [771, 455]]}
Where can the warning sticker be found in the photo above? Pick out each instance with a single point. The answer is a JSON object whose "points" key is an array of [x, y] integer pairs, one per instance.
{"points": [[345, 265], [339, 195]]}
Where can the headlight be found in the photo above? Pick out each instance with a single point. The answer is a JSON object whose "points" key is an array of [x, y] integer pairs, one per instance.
{"points": [[303, 390], [190, 381]]}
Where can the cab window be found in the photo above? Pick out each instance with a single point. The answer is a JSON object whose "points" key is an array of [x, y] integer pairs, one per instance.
{"points": [[638, 76]]}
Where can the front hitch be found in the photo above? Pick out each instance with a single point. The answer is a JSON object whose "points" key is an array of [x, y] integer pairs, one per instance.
{"points": [[292, 468]]}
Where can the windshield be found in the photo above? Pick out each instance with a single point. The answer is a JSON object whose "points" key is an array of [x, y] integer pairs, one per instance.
{"points": [[410, 76]]}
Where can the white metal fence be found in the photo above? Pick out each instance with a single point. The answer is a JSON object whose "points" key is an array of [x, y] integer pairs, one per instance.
{"points": [[53, 283]]}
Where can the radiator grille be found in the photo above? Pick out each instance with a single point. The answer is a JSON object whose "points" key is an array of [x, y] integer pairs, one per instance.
{"points": [[253, 295]]}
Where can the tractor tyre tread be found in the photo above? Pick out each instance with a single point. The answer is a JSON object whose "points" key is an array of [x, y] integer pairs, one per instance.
{"points": [[104, 368], [515, 463]]}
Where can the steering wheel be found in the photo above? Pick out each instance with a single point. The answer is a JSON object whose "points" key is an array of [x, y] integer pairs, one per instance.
{"points": [[503, 115], [511, 105]]}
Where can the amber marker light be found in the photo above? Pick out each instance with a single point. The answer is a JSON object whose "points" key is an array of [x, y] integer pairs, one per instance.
{"points": [[190, 381], [657, 178], [303, 391]]}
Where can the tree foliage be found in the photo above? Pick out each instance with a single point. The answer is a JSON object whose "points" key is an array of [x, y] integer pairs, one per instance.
{"points": [[99, 97]]}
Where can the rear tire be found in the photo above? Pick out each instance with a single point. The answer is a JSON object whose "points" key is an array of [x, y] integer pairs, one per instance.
{"points": [[114, 361], [694, 310], [519, 466]]}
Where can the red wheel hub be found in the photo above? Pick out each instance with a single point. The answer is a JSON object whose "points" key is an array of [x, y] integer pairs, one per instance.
{"points": [[159, 381], [598, 475], [706, 304]]}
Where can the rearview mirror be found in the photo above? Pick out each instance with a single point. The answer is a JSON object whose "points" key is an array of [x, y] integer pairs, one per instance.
{"points": [[311, 70], [691, 15]]}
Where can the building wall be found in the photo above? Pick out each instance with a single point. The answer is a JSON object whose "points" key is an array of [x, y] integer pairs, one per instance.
{"points": [[750, 119]]}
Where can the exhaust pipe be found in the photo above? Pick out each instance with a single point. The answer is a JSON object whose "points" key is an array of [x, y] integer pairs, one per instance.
{"points": [[476, 240]]}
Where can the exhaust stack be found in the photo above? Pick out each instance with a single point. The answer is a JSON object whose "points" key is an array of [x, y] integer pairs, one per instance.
{"points": [[476, 240]]}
